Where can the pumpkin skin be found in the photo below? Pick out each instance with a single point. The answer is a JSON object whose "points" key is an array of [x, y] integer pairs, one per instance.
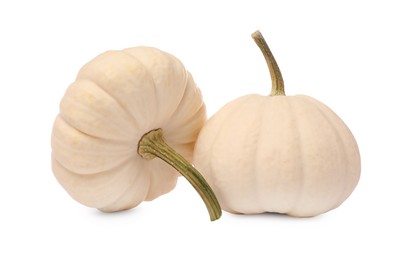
{"points": [[284, 154], [117, 98]]}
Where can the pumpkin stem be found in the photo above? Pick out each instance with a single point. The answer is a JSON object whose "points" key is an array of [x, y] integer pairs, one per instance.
{"points": [[275, 73], [152, 145]]}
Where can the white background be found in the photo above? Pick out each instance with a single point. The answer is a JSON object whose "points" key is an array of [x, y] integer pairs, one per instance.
{"points": [[348, 54]]}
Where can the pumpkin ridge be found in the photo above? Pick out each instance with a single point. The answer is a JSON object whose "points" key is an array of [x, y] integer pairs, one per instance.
{"points": [[124, 192], [188, 121], [228, 205], [116, 165], [313, 105], [124, 161], [68, 123], [57, 143], [190, 116], [212, 171], [173, 61], [169, 58], [199, 110], [201, 105], [86, 177], [122, 106], [342, 149], [257, 162], [236, 113], [302, 173], [71, 124], [157, 107], [123, 53]]}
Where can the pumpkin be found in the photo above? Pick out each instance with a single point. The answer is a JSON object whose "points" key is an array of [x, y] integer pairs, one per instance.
{"points": [[283, 154], [124, 109]]}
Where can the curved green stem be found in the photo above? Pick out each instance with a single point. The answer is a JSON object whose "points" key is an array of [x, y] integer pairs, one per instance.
{"points": [[275, 73], [152, 145]]}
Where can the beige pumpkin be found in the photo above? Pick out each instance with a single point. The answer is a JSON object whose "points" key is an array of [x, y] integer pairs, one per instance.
{"points": [[120, 100], [277, 153]]}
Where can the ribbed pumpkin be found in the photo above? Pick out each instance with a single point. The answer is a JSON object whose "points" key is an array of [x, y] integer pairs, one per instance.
{"points": [[118, 98], [277, 153]]}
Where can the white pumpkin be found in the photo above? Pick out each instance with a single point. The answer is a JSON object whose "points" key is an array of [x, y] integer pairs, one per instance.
{"points": [[116, 99], [277, 153]]}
